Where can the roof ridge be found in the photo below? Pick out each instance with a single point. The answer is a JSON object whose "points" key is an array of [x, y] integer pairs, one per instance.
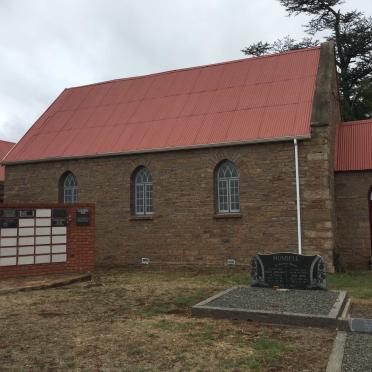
{"points": [[196, 67]]}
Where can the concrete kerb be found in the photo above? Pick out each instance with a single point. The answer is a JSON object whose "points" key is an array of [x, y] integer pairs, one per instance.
{"points": [[339, 305], [343, 320], [309, 320], [335, 359], [53, 284]]}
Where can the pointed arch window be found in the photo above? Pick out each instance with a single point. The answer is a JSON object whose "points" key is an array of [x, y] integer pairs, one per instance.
{"points": [[228, 188], [68, 188], [143, 192]]}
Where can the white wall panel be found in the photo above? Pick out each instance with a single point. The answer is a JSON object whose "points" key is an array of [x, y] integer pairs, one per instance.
{"points": [[59, 239], [42, 231], [26, 260], [26, 241], [43, 240], [43, 212], [42, 259], [59, 258], [42, 249], [26, 222], [8, 261], [8, 242], [8, 232], [35, 241], [8, 251], [25, 250], [59, 249], [59, 230], [26, 231], [43, 222]]}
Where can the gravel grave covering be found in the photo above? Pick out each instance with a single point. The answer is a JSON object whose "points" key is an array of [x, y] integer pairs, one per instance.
{"points": [[265, 299], [357, 353]]}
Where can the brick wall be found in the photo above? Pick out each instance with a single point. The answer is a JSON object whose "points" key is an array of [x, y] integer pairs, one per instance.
{"points": [[1, 191], [80, 245], [354, 239], [184, 229]]}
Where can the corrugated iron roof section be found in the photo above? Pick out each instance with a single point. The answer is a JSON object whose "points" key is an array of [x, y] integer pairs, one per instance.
{"points": [[353, 146], [5, 147], [251, 99]]}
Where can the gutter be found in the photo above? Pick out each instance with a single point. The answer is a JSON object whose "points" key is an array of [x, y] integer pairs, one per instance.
{"points": [[298, 201]]}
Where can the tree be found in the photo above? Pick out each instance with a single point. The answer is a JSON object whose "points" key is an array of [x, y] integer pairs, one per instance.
{"points": [[352, 33]]}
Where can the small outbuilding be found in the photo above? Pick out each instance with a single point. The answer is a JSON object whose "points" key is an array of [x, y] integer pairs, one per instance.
{"points": [[353, 185], [203, 166]]}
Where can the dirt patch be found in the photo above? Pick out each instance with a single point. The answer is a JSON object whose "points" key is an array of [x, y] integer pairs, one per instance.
{"points": [[361, 309], [141, 321], [38, 282]]}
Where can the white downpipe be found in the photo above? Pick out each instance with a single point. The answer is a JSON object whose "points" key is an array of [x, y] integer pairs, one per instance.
{"points": [[299, 249]]}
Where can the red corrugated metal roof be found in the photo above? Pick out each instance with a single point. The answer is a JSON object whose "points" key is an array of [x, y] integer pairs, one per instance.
{"points": [[252, 99], [5, 147], [354, 146]]}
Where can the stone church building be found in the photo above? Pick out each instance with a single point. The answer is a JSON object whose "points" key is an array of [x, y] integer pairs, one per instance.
{"points": [[208, 165]]}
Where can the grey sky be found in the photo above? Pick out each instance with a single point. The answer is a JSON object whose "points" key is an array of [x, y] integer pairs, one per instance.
{"points": [[47, 45]]}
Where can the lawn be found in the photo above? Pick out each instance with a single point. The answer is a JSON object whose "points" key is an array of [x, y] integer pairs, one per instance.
{"points": [[141, 320], [359, 287], [358, 284]]}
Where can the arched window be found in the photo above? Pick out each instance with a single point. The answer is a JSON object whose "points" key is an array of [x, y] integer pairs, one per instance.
{"points": [[227, 184], [142, 192], [68, 188]]}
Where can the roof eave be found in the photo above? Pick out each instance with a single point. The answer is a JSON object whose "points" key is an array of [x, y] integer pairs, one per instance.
{"points": [[344, 170], [156, 150]]}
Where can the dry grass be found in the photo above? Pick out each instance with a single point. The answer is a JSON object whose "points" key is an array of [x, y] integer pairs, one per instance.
{"points": [[139, 321]]}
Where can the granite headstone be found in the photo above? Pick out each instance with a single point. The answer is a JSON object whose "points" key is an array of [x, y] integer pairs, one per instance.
{"points": [[288, 270]]}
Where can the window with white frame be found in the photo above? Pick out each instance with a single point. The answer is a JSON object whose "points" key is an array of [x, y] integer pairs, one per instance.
{"points": [[70, 189], [228, 190], [143, 192]]}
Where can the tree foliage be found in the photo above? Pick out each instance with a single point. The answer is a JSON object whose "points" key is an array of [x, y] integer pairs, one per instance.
{"points": [[352, 33]]}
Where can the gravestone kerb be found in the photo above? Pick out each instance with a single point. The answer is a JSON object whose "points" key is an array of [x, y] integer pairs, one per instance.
{"points": [[360, 325]]}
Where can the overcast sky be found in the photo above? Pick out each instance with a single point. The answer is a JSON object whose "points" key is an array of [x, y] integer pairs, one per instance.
{"points": [[48, 45]]}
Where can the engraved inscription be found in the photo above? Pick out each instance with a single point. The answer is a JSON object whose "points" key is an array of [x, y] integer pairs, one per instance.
{"points": [[288, 270]]}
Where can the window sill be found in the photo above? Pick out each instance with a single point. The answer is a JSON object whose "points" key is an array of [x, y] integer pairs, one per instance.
{"points": [[227, 215], [144, 217]]}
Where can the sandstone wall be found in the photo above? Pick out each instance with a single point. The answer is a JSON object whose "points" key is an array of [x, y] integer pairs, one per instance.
{"points": [[353, 225], [185, 228]]}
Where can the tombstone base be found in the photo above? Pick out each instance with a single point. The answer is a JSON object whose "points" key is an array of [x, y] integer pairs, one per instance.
{"points": [[276, 306]]}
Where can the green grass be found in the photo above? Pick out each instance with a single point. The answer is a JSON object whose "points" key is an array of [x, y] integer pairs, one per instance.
{"points": [[158, 307], [268, 348], [357, 284], [207, 334], [266, 352], [192, 299]]}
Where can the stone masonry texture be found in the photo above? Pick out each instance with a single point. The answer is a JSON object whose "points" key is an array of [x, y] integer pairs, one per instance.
{"points": [[184, 228], [353, 238]]}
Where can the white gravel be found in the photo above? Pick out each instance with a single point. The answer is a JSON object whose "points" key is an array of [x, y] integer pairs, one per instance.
{"points": [[357, 353]]}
